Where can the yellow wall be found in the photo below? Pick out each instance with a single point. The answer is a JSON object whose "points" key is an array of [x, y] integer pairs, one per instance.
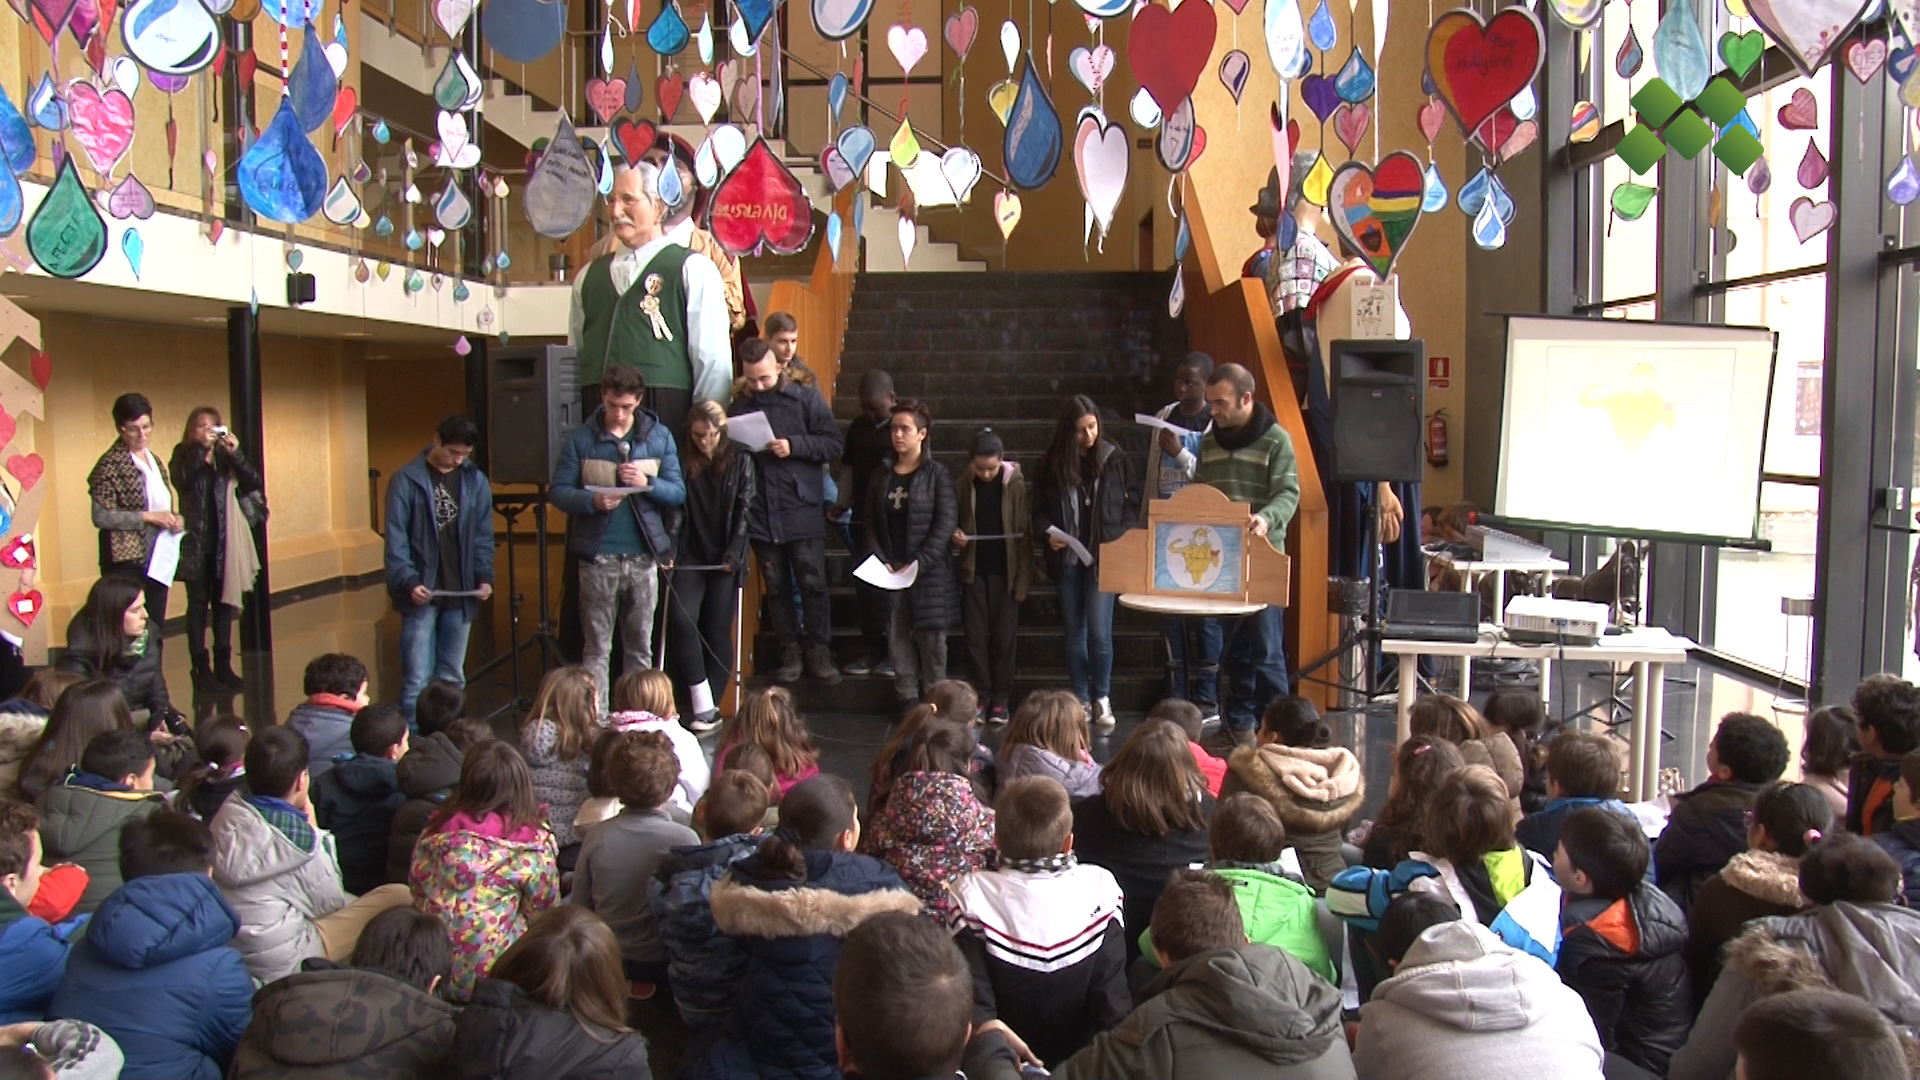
{"points": [[406, 397], [315, 400]]}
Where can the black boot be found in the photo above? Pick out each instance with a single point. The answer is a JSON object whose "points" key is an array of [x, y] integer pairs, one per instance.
{"points": [[223, 670], [203, 676]]}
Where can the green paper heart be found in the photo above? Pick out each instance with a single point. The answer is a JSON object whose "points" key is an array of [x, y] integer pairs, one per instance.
{"points": [[1742, 51], [1630, 200]]}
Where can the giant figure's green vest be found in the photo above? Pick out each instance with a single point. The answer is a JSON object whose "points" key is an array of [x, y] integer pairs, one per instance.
{"points": [[616, 331]]}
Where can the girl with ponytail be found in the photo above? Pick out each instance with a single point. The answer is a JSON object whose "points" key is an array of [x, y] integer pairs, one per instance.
{"points": [[1787, 819]]}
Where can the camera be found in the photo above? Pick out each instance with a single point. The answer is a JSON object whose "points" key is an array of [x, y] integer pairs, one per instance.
{"points": [[221, 432]]}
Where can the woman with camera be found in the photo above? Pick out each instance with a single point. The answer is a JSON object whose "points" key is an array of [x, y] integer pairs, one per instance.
{"points": [[220, 501]]}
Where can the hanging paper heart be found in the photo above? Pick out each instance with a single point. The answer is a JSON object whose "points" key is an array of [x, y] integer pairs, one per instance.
{"points": [[342, 206], [1355, 81], [1585, 124], [839, 173], [1006, 213], [634, 138], [312, 86], [451, 208], [1234, 69], [559, 194], [668, 90], [1432, 115], [1742, 51], [1477, 67], [282, 177], [1010, 43], [1001, 95], [25, 605], [49, 17], [1680, 50], [1375, 210], [1199, 145], [1524, 106], [1801, 112], [606, 97], [1031, 148], [130, 199], [102, 123], [1169, 49], [960, 29], [1523, 135], [27, 468], [1578, 14], [1142, 109], [705, 93], [1810, 218], [1865, 58], [523, 30], [962, 168], [456, 149], [746, 99], [837, 20], [1090, 67], [761, 204], [172, 37], [1813, 167], [729, 145], [1808, 30], [1286, 36], [908, 44], [856, 144], [435, 237], [452, 15], [1350, 123], [20, 553], [1320, 95], [346, 105], [1176, 143], [1101, 152], [668, 35]]}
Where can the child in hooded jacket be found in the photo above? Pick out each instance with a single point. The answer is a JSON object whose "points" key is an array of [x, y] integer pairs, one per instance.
{"points": [[933, 829], [705, 966], [1313, 785]]}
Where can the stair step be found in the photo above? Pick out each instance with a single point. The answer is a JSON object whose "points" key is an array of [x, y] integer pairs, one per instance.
{"points": [[1131, 359], [1108, 282], [869, 696]]}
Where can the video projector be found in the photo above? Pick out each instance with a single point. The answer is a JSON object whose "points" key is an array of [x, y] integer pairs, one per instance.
{"points": [[1543, 620]]}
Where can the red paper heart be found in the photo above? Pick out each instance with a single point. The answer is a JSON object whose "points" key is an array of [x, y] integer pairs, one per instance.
{"points": [[41, 368], [1199, 144], [668, 89], [1496, 130], [1293, 137], [1476, 67], [1169, 49], [20, 553], [760, 203], [248, 62], [7, 427], [27, 469], [607, 96], [634, 137], [1801, 112], [25, 606], [345, 104]]}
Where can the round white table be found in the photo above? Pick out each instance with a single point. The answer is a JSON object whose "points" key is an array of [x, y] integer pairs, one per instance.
{"points": [[1187, 605]]}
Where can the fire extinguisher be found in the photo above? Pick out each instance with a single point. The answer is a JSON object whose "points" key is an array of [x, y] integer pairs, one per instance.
{"points": [[1437, 439]]}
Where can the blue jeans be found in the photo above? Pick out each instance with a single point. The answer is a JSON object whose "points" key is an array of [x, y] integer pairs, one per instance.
{"points": [[1256, 667], [1089, 616], [1194, 673], [433, 645]]}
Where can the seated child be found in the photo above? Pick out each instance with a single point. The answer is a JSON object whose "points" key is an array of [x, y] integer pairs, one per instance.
{"points": [[557, 738], [1313, 785], [754, 761], [1583, 769], [770, 721], [81, 817], [427, 774], [902, 1001], [222, 770], [1623, 941], [336, 688], [1186, 715], [1708, 825], [1419, 764], [1042, 933], [933, 829], [1522, 717], [643, 701], [614, 876], [154, 969], [553, 1007], [23, 718], [278, 869], [1817, 1033], [33, 954], [1903, 840], [1245, 841], [957, 700], [704, 966], [355, 800], [378, 1016], [1049, 737]]}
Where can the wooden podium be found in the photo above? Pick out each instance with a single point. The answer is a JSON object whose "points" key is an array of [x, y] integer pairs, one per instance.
{"points": [[1196, 547]]}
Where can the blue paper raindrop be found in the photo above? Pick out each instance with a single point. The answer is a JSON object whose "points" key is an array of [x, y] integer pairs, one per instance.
{"points": [[1742, 120], [16, 138], [1435, 197], [134, 249], [757, 13], [1031, 148], [461, 292], [290, 13], [1626, 62], [46, 106], [381, 133], [669, 34], [672, 188], [384, 227], [1680, 54], [12, 203], [1488, 230], [312, 85], [1321, 29], [1356, 81], [414, 240], [1904, 185], [1182, 239], [1524, 104], [282, 177], [833, 235], [836, 94], [1485, 187]]}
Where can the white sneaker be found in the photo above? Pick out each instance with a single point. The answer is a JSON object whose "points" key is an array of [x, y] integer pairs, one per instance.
{"points": [[704, 722], [1102, 713]]}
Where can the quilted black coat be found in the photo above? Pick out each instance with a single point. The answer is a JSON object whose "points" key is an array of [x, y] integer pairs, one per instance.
{"points": [[933, 512]]}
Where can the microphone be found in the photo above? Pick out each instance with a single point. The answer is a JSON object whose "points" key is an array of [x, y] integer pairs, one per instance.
{"points": [[626, 450]]}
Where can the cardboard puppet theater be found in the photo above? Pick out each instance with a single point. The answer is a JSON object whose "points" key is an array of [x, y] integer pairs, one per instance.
{"points": [[1196, 546]]}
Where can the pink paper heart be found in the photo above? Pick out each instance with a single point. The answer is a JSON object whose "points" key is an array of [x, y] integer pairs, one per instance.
{"points": [[607, 97], [1432, 115], [1865, 58], [705, 93], [1810, 218], [7, 427], [1238, 6], [102, 123], [27, 469], [961, 28], [1350, 122], [1524, 133], [908, 45], [1801, 112]]}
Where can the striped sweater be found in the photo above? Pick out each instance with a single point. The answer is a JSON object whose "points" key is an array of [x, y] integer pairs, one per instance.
{"points": [[1254, 464]]}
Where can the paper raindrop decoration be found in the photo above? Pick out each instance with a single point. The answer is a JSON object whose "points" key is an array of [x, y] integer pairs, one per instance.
{"points": [[1105, 9], [1319, 180], [171, 37], [1477, 67], [12, 203], [1375, 209], [381, 133], [383, 227], [1286, 38], [1628, 58], [1680, 54], [1524, 106], [1813, 167], [452, 209], [342, 206], [1178, 136], [102, 123], [1234, 69], [1760, 177], [1321, 29], [1585, 125], [1031, 148], [703, 40], [755, 14], [1010, 43], [1434, 197], [962, 168], [903, 148], [837, 20], [1006, 213], [1101, 151], [312, 84], [1143, 110], [134, 249], [1808, 31], [856, 144], [66, 235], [1168, 50], [1489, 231], [1630, 201], [1356, 81], [669, 34], [1578, 14], [292, 14], [458, 87], [1904, 185], [16, 139], [559, 194], [523, 30], [761, 204], [839, 173], [1000, 97], [833, 235], [909, 235], [636, 90], [282, 177]]}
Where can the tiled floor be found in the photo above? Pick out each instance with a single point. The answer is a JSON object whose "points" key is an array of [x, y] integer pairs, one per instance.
{"points": [[361, 622]]}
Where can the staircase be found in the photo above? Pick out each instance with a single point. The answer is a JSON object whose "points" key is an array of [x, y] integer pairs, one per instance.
{"points": [[1003, 350]]}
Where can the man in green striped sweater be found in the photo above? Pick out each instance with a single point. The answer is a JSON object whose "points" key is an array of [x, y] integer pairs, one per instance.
{"points": [[1248, 457]]}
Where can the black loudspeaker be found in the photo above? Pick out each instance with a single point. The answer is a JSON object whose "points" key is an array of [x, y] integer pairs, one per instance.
{"points": [[533, 400], [1379, 407]]}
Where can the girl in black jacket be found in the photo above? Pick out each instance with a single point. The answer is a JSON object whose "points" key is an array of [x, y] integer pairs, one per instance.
{"points": [[911, 515], [711, 561], [1085, 488], [204, 466]]}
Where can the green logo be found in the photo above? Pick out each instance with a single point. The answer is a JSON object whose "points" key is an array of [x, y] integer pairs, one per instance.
{"points": [[1680, 126]]}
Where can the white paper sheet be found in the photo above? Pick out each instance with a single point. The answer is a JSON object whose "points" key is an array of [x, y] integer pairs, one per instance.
{"points": [[970, 538], [620, 491], [451, 594], [750, 430], [875, 573], [166, 557], [1150, 420], [1073, 544]]}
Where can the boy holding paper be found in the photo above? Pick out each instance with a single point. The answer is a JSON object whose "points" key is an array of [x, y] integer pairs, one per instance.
{"points": [[1193, 645], [911, 517], [994, 565]]}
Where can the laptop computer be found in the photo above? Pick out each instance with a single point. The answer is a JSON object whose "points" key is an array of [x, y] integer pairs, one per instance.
{"points": [[1432, 616]]}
